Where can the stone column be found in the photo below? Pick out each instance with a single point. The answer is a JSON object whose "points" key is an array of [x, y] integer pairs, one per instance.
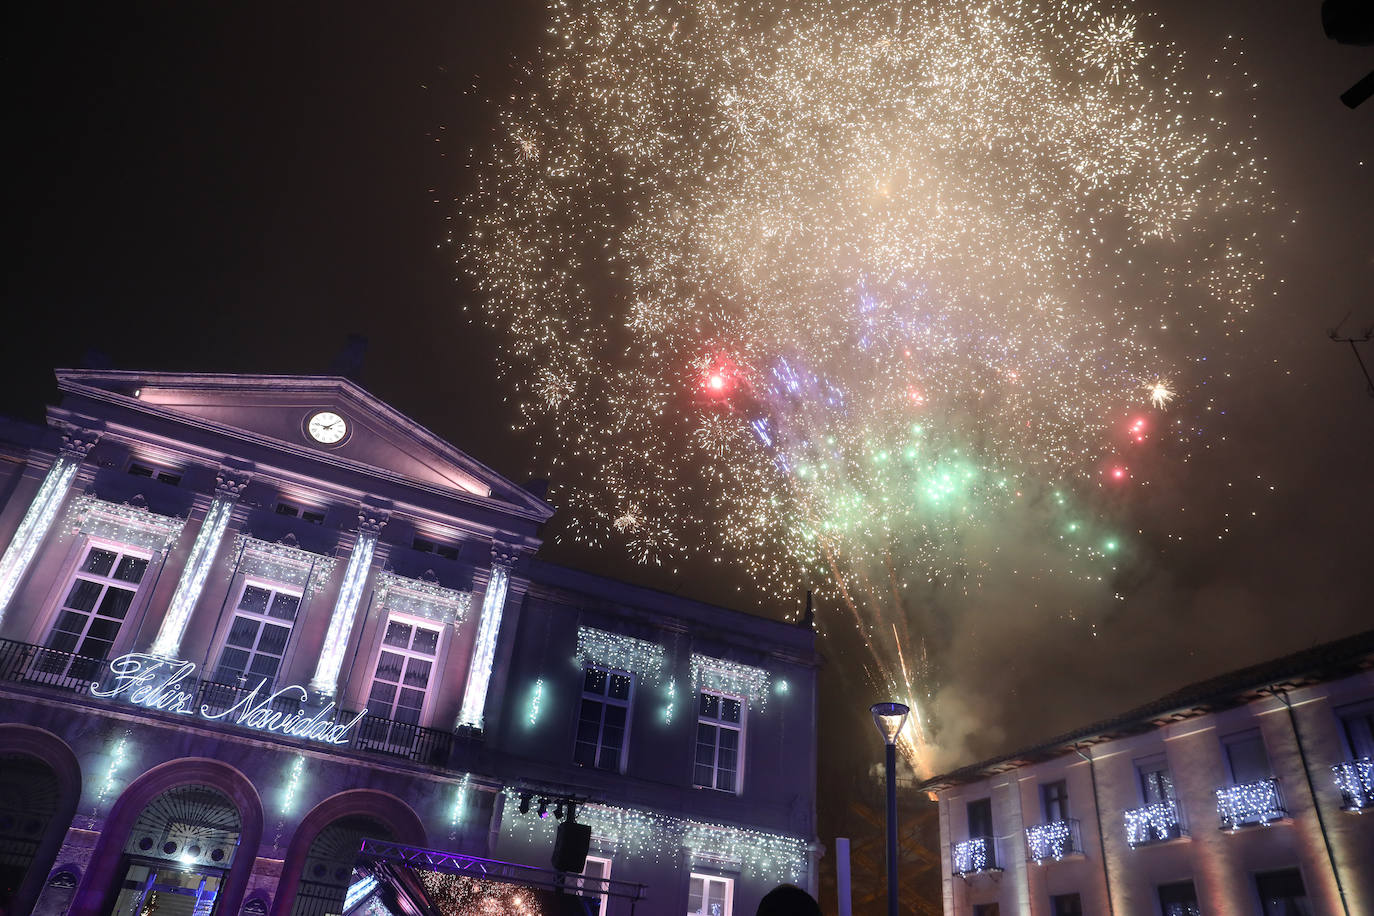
{"points": [[76, 445], [484, 646], [326, 679], [229, 485]]}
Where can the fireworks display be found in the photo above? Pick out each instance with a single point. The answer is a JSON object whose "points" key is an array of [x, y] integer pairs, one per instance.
{"points": [[856, 294]]}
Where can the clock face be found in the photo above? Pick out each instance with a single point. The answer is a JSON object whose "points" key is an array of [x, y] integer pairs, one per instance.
{"points": [[327, 427]]}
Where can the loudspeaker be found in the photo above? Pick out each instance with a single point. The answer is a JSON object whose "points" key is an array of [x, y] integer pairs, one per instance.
{"points": [[570, 846]]}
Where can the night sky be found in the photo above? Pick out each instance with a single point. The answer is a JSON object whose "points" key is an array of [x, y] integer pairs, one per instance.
{"points": [[240, 186]]}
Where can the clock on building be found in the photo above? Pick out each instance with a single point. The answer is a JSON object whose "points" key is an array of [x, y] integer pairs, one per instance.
{"points": [[326, 427]]}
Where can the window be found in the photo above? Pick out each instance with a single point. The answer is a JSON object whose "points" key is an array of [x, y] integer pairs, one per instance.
{"points": [[1357, 724], [1282, 893], [987, 909], [1055, 797], [98, 600], [600, 869], [424, 545], [1066, 905], [1178, 899], [980, 818], [309, 515], [720, 733], [709, 895], [1156, 782], [604, 719], [1246, 757], [405, 669], [256, 644], [143, 470]]}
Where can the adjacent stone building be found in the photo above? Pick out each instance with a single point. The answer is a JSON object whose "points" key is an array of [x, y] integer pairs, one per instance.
{"points": [[247, 621], [1244, 794]]}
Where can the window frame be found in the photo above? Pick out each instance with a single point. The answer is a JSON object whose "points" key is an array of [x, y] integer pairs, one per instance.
{"points": [[1160, 890], [436, 669], [1061, 799], [1363, 713], [604, 876], [1235, 738], [222, 638], [968, 820], [1054, 904], [605, 699], [707, 879], [57, 604], [1255, 877], [741, 728]]}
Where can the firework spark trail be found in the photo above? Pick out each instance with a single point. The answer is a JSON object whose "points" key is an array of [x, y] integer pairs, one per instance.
{"points": [[839, 290]]}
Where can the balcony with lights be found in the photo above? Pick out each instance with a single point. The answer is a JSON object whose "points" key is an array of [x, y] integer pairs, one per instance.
{"points": [[1355, 779], [1055, 840], [975, 856], [1156, 823], [1250, 804]]}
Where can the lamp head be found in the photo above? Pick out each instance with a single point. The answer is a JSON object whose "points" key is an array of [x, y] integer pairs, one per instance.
{"points": [[889, 717]]}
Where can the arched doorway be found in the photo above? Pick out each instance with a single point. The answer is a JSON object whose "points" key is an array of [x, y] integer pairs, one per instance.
{"points": [[328, 868], [320, 860], [40, 787], [179, 853], [28, 805]]}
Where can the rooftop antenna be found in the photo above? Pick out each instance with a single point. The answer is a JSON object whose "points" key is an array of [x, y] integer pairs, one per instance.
{"points": [[1335, 335]]}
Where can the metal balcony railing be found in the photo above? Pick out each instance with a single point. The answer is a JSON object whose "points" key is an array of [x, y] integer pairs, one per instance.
{"points": [[1053, 840], [1251, 803], [71, 673], [1355, 779], [975, 855], [1154, 823]]}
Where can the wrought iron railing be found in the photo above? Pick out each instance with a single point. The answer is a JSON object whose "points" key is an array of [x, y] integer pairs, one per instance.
{"points": [[975, 855], [72, 673], [1154, 823], [1355, 779], [1250, 803], [1053, 840]]}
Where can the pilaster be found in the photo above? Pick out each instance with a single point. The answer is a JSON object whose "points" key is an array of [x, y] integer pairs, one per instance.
{"points": [[371, 521]]}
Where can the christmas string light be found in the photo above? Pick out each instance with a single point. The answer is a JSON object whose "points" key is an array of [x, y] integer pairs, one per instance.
{"points": [[326, 676], [136, 526], [603, 649], [458, 809], [1159, 821], [656, 836], [283, 563], [119, 756], [536, 699], [1053, 840], [732, 678], [291, 789], [418, 598], [1355, 779], [973, 855], [34, 525], [1251, 803], [484, 648], [192, 580], [670, 693]]}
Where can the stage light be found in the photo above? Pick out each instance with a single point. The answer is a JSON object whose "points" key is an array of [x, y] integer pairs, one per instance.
{"points": [[558, 810], [525, 803], [543, 807]]}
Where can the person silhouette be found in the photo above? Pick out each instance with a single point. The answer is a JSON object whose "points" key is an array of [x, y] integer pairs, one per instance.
{"points": [[788, 900]]}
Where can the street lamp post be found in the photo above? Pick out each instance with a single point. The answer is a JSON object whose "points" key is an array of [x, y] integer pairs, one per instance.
{"points": [[890, 717]]}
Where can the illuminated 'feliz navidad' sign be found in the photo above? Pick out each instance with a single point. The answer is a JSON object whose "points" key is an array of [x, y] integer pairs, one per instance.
{"points": [[159, 683]]}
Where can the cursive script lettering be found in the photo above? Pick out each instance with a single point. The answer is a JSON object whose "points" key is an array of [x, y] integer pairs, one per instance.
{"points": [[159, 683]]}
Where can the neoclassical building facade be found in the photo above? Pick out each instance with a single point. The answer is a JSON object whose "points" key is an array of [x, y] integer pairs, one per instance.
{"points": [[247, 622]]}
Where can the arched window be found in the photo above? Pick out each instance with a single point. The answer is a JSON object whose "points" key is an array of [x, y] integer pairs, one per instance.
{"points": [[178, 852], [28, 804], [329, 863]]}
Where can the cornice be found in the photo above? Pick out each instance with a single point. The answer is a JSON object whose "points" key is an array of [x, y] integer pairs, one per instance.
{"points": [[73, 381]]}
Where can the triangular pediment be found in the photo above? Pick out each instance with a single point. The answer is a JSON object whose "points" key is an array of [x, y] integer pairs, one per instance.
{"points": [[277, 409]]}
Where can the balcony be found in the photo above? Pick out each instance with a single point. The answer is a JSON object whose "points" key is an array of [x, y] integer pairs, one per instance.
{"points": [[1156, 823], [1251, 803], [1054, 840], [1355, 779], [975, 855], [235, 707]]}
